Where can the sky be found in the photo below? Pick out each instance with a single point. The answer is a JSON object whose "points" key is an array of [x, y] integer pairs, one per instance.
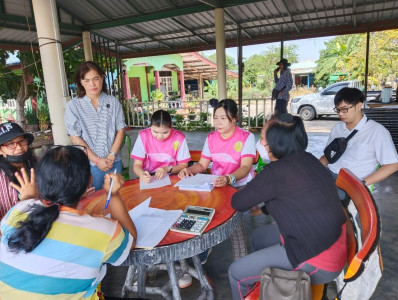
{"points": [[308, 48]]}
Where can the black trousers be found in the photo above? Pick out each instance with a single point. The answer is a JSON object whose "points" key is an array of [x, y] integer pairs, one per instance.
{"points": [[280, 106]]}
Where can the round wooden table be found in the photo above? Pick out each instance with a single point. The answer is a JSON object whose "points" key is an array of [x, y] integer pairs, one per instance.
{"points": [[174, 246]]}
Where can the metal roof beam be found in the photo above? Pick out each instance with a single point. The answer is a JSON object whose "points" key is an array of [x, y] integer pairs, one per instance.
{"points": [[354, 17], [66, 10], [150, 37], [290, 15], [189, 30], [363, 11], [256, 26], [165, 14], [129, 26], [134, 6], [13, 19], [172, 4], [270, 38], [12, 43], [212, 3], [2, 7], [236, 23]]}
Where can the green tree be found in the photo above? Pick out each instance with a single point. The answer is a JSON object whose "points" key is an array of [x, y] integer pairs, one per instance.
{"points": [[259, 68], [347, 54], [336, 58], [19, 85], [229, 61]]}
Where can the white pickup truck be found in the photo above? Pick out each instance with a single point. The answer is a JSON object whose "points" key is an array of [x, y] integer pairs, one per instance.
{"points": [[312, 106]]}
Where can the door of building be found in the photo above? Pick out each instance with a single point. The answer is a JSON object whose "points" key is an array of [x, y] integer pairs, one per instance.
{"points": [[135, 88]]}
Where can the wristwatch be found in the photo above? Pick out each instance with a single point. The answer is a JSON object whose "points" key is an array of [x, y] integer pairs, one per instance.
{"points": [[112, 153], [233, 179], [170, 169]]}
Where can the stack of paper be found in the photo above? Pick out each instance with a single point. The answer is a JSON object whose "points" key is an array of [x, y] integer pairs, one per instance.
{"points": [[155, 183], [199, 182], [152, 223]]}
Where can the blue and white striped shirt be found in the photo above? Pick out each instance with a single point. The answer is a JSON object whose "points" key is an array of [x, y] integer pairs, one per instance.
{"points": [[96, 127], [286, 81]]}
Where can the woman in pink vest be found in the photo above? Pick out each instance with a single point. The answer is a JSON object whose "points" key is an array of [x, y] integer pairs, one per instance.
{"points": [[159, 149]]}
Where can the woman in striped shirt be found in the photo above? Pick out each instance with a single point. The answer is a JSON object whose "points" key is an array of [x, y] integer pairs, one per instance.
{"points": [[52, 250], [95, 120]]}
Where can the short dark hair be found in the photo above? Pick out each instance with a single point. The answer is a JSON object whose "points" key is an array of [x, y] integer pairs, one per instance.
{"points": [[82, 70], [161, 117], [350, 95], [230, 107], [62, 177], [286, 135]]}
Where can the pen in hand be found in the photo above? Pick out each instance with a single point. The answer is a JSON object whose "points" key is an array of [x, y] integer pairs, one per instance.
{"points": [[108, 199]]}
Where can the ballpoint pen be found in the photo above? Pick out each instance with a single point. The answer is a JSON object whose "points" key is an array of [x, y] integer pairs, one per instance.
{"points": [[108, 199]]}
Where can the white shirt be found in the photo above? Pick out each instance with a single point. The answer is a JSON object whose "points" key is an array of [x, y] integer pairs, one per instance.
{"points": [[371, 146]]}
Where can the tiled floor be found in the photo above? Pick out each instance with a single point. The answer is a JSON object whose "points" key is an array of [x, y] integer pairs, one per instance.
{"points": [[386, 196]]}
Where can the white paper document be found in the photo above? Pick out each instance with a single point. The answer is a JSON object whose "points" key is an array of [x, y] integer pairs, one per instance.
{"points": [[152, 223], [199, 182], [155, 183]]}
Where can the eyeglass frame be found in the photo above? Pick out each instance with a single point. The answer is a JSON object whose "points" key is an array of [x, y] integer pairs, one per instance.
{"points": [[20, 143], [342, 110]]}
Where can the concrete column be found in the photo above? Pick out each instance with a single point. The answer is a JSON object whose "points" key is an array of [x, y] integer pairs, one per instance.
{"points": [[157, 80], [220, 51], [240, 76], [126, 85], [52, 59], [88, 51], [200, 87], [182, 86]]}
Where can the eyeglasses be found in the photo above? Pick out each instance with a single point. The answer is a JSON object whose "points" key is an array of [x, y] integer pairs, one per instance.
{"points": [[83, 148], [342, 110], [13, 145]]}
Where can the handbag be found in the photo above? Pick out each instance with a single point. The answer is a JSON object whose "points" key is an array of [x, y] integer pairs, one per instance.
{"points": [[275, 93], [337, 147], [277, 284]]}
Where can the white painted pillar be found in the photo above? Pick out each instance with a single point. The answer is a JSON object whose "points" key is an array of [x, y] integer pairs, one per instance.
{"points": [[52, 59], [200, 86], [88, 51], [220, 50]]}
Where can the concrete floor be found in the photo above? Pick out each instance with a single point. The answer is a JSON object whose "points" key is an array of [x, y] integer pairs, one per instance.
{"points": [[385, 194]]}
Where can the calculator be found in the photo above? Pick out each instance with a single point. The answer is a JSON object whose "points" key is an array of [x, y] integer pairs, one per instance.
{"points": [[194, 220]]}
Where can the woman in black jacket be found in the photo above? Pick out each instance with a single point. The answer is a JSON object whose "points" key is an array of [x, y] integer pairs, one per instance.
{"points": [[300, 194]]}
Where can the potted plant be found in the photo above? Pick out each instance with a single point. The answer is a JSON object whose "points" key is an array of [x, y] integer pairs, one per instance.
{"points": [[43, 116], [157, 96], [31, 120]]}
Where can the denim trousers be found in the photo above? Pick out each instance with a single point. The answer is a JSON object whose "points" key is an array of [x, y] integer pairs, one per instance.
{"points": [[98, 175]]}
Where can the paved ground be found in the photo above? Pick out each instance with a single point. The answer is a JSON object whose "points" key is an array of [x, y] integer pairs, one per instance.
{"points": [[216, 268]]}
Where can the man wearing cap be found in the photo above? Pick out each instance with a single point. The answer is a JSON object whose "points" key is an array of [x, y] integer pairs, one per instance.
{"points": [[283, 84], [16, 162]]}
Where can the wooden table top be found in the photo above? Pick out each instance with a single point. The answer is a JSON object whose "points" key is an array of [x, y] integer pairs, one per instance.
{"points": [[170, 198]]}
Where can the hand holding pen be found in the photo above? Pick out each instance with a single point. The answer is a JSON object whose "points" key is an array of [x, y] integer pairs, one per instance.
{"points": [[112, 185]]}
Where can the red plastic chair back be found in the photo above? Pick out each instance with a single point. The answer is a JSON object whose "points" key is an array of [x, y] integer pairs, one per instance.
{"points": [[370, 222]]}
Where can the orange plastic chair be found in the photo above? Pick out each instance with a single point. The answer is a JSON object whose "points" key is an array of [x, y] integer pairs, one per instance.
{"points": [[370, 223], [371, 229], [195, 155]]}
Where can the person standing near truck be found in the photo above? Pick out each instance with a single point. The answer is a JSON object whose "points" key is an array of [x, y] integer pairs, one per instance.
{"points": [[283, 84]]}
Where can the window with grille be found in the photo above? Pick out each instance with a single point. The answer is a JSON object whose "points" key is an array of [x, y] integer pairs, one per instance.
{"points": [[168, 83]]}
